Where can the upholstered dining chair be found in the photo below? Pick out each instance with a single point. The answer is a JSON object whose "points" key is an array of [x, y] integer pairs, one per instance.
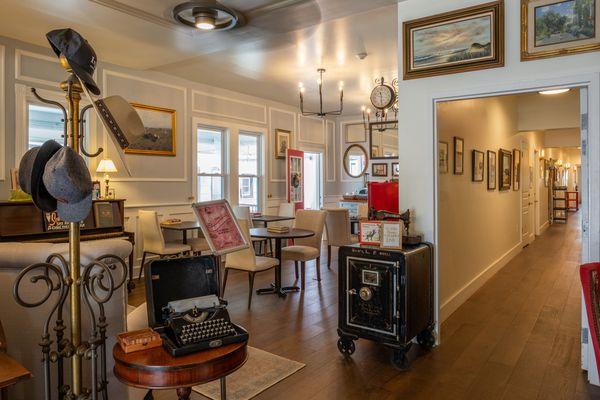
{"points": [[337, 226], [309, 248], [247, 260], [154, 241], [243, 212]]}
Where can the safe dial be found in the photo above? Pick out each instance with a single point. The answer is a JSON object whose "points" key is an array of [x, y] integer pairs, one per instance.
{"points": [[365, 293]]}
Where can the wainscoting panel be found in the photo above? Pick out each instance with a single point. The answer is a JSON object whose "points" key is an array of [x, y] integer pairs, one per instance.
{"points": [[221, 106]]}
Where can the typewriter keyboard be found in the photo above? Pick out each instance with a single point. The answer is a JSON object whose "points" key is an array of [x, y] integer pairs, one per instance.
{"points": [[204, 331]]}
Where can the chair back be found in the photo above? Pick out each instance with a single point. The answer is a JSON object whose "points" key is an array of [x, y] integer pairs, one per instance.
{"points": [[245, 257], [337, 225], [312, 220], [285, 210], [243, 212], [153, 239]]}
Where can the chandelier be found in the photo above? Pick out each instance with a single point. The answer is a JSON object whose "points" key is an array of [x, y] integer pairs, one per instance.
{"points": [[321, 113], [381, 115]]}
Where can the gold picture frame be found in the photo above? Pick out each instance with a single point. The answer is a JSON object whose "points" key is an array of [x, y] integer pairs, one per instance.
{"points": [[283, 139], [160, 138], [529, 10], [467, 25]]}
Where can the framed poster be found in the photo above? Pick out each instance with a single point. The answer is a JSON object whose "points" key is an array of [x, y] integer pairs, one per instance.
{"points": [[457, 41], [552, 28], [505, 169], [220, 227], [104, 215], [443, 157], [391, 235], [160, 131], [459, 155], [379, 169], [369, 232], [491, 170], [478, 162], [516, 169], [282, 142], [395, 169]]}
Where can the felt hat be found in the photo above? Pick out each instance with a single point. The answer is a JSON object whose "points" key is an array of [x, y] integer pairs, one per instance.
{"points": [[41, 198], [25, 167], [121, 120]]}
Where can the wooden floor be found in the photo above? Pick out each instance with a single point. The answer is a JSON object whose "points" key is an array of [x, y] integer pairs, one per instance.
{"points": [[516, 338]]}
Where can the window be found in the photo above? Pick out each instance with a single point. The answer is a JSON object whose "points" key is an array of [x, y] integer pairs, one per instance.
{"points": [[249, 168], [210, 164], [44, 123]]}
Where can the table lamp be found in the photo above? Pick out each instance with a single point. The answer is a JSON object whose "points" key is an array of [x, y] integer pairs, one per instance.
{"points": [[106, 166]]}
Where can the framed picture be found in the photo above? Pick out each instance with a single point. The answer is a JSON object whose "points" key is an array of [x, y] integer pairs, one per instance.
{"points": [[379, 169], [443, 157], [478, 162], [505, 169], [96, 190], [111, 194], [104, 215], [395, 169], [457, 41], [516, 169], [459, 156], [391, 235], [369, 232], [491, 170], [552, 28], [220, 227], [355, 133], [160, 134], [282, 142]]}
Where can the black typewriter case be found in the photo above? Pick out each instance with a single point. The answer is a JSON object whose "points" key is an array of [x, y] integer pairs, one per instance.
{"points": [[172, 279]]}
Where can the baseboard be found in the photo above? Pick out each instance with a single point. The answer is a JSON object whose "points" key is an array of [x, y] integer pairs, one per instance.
{"points": [[544, 226], [458, 298]]}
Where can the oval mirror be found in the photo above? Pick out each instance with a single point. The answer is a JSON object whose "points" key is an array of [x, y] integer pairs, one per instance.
{"points": [[355, 161]]}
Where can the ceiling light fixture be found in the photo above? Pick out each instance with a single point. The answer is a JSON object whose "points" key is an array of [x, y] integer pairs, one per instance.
{"points": [[208, 15], [321, 113], [553, 91]]}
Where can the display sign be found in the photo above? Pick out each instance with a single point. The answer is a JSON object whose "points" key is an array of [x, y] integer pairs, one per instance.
{"points": [[52, 222], [220, 227], [391, 235], [370, 233]]}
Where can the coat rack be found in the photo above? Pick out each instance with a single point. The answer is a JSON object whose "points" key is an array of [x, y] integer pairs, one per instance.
{"points": [[93, 283]]}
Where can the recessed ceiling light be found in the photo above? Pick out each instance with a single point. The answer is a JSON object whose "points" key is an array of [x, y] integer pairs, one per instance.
{"points": [[554, 91]]}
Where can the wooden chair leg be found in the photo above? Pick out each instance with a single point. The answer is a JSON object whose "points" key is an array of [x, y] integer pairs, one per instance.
{"points": [[250, 287], [318, 262], [328, 256], [142, 266], [302, 275], [296, 268], [224, 281]]}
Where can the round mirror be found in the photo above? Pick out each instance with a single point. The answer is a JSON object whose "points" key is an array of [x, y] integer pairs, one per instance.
{"points": [[355, 161]]}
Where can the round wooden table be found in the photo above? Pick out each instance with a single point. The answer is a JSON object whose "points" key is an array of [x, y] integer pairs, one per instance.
{"points": [[157, 369], [293, 233]]}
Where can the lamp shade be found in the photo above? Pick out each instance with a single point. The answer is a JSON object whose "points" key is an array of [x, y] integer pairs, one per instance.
{"points": [[106, 166]]}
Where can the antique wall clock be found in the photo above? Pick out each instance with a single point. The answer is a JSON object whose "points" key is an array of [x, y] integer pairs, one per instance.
{"points": [[383, 96]]}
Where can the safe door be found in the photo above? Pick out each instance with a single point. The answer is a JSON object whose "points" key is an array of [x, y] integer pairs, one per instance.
{"points": [[371, 295]]}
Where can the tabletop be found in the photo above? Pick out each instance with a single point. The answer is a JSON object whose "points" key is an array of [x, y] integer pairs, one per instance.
{"points": [[11, 371], [271, 218], [181, 226], [292, 234]]}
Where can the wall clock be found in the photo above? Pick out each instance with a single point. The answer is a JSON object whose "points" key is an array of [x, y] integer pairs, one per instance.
{"points": [[383, 96]]}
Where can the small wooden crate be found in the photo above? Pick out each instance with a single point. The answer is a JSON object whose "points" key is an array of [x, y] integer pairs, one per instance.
{"points": [[143, 339]]}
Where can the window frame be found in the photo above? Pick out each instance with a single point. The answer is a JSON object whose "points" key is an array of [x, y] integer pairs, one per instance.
{"points": [[224, 175], [259, 167]]}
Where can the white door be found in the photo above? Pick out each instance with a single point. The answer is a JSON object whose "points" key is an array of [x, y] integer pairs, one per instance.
{"points": [[313, 181], [527, 195]]}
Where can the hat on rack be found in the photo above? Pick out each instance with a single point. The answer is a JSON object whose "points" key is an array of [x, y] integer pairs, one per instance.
{"points": [[41, 198], [78, 52], [68, 180], [25, 167], [121, 120]]}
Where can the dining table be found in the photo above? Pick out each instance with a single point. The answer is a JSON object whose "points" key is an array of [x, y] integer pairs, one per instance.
{"points": [[181, 226], [294, 233]]}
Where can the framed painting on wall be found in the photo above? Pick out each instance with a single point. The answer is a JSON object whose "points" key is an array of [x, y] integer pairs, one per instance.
{"points": [[395, 169], [282, 142], [459, 156], [443, 157], [491, 171], [379, 169], [505, 169], [552, 28], [516, 169], [457, 41], [478, 161], [160, 131]]}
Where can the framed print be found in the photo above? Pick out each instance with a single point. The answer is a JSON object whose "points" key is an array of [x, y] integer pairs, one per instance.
{"points": [[282, 142], [96, 190], [552, 28], [355, 133], [505, 169], [379, 169], [395, 169], [104, 215], [491, 170], [391, 235], [443, 157], [459, 156], [516, 169], [457, 41], [159, 138], [478, 162], [369, 232], [220, 227]]}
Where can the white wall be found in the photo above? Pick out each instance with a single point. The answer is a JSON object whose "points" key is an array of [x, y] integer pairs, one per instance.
{"points": [[558, 111]]}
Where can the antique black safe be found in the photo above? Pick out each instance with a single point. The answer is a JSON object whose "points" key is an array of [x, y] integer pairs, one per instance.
{"points": [[386, 296]]}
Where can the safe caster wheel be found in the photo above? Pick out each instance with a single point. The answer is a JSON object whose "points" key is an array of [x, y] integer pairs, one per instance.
{"points": [[426, 339], [400, 360], [346, 346]]}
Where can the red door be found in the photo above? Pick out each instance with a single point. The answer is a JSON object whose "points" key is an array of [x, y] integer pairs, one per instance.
{"points": [[295, 178]]}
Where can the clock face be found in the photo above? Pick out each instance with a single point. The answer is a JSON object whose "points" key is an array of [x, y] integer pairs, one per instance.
{"points": [[382, 96]]}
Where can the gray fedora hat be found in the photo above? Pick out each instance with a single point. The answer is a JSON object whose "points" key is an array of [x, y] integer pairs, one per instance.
{"points": [[41, 198], [25, 167], [74, 212]]}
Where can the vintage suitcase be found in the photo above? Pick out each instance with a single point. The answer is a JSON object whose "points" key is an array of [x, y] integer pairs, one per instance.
{"points": [[386, 296]]}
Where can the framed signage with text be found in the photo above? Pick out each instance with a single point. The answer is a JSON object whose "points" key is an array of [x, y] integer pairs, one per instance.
{"points": [[391, 235], [220, 227]]}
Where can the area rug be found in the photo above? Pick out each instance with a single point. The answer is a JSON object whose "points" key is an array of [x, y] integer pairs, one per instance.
{"points": [[261, 371]]}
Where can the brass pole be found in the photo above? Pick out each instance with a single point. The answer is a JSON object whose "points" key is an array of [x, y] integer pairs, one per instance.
{"points": [[73, 90]]}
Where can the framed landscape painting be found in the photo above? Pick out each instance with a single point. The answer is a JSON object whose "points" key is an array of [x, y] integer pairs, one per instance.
{"points": [[552, 28], [159, 131], [457, 41], [505, 169]]}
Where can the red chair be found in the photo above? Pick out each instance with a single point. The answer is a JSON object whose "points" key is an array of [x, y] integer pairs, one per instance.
{"points": [[590, 280]]}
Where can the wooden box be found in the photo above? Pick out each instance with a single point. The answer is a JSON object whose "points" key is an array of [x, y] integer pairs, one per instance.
{"points": [[143, 339]]}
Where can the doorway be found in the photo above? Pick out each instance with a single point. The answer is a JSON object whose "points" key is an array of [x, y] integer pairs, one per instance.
{"points": [[313, 180]]}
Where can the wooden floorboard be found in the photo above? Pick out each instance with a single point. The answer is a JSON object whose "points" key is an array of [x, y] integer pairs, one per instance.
{"points": [[515, 338]]}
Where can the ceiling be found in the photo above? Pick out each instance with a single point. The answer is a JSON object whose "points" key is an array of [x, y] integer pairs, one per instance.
{"points": [[284, 42]]}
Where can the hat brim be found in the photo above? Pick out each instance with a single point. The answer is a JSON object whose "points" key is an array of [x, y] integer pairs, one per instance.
{"points": [[41, 198], [74, 212], [85, 77]]}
